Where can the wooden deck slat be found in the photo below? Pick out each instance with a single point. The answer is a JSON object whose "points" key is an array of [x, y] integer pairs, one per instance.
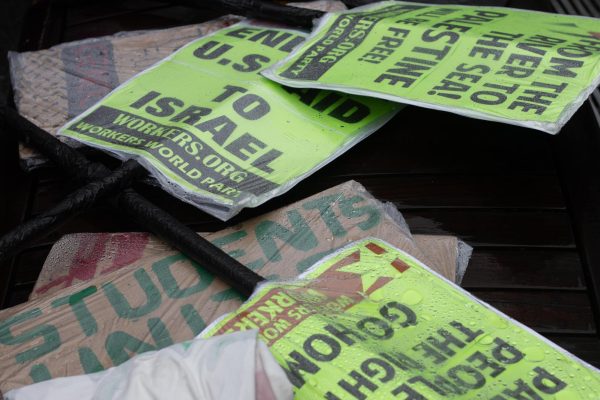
{"points": [[532, 269], [547, 312], [427, 141], [586, 347], [495, 227], [410, 191]]}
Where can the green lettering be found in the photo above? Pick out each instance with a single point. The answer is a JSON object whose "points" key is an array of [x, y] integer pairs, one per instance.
{"points": [[230, 238], [121, 304], [192, 318], [89, 361], [39, 373], [227, 294], [325, 207], [300, 236], [348, 210], [256, 265], [120, 346], [84, 316], [48, 332], [162, 269], [308, 262]]}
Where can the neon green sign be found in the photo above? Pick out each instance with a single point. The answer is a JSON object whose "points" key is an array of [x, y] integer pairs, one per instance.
{"points": [[373, 322], [218, 134], [520, 67]]}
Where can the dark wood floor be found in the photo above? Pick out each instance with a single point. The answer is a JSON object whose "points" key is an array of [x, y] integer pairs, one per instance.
{"points": [[529, 203]]}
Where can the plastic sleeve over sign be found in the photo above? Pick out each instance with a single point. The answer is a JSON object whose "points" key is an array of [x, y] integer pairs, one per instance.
{"points": [[370, 321], [216, 133], [519, 67]]}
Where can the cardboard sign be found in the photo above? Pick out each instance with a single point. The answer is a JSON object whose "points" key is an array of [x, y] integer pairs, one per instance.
{"points": [[370, 321], [520, 67], [81, 257], [161, 298], [217, 134]]}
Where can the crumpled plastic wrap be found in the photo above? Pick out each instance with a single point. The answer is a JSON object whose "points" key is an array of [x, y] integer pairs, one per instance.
{"points": [[235, 366], [139, 295]]}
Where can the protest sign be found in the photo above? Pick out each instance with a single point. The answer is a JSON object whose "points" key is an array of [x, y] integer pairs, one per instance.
{"points": [[520, 67], [80, 257], [370, 321], [216, 133], [148, 300]]}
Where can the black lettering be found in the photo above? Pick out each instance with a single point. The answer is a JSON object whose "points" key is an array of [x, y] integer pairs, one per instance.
{"points": [[505, 353], [242, 33], [469, 334], [208, 52], [263, 161], [429, 352], [251, 107], [191, 115], [270, 38], [410, 318], [430, 385], [145, 99], [467, 377], [375, 327], [562, 67], [220, 128], [431, 36], [376, 366], [522, 391], [488, 98], [344, 334], [299, 363], [355, 388], [402, 361], [547, 383], [164, 106], [252, 62], [229, 90], [485, 363], [327, 101], [245, 146], [410, 393], [447, 341], [319, 352]]}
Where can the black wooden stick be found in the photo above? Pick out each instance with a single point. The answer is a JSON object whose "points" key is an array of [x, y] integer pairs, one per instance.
{"points": [[269, 10], [296, 16], [143, 211], [78, 201]]}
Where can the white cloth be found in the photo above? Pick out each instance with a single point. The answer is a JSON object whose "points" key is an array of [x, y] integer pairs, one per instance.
{"points": [[234, 366]]}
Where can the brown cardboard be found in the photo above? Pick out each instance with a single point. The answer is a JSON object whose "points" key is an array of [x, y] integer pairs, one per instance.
{"points": [[54, 85], [448, 254], [80, 257], [165, 298]]}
